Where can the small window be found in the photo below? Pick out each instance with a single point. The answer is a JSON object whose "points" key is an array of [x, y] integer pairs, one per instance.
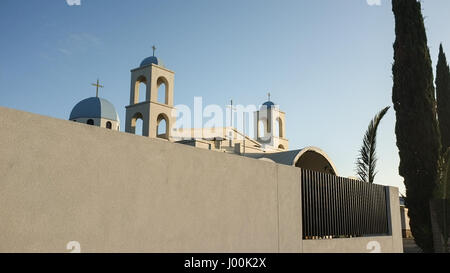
{"points": [[90, 122], [108, 125]]}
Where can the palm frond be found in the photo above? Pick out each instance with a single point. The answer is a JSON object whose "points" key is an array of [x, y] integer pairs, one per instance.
{"points": [[367, 159]]}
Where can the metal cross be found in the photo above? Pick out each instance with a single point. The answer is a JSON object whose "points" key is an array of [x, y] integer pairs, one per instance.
{"points": [[154, 48], [98, 86]]}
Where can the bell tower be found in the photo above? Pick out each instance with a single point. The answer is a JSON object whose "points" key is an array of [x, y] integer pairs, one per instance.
{"points": [[270, 128], [153, 114]]}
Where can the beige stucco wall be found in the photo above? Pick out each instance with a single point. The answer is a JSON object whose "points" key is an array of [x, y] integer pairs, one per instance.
{"points": [[111, 191]]}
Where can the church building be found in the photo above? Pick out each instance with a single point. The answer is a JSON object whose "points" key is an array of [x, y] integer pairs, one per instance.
{"points": [[158, 119]]}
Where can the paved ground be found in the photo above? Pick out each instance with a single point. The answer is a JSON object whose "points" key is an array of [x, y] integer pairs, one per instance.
{"points": [[409, 246]]}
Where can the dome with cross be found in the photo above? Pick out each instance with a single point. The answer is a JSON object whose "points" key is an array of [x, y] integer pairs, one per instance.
{"points": [[96, 111], [152, 60], [268, 103]]}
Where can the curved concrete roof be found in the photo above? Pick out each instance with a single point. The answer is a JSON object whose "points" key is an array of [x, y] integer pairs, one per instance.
{"points": [[292, 157]]}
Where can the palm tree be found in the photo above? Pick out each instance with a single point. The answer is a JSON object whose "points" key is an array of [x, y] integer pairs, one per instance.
{"points": [[367, 160]]}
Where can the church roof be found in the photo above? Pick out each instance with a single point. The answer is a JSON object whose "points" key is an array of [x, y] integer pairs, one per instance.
{"points": [[290, 158], [151, 60], [94, 107], [269, 104], [285, 158]]}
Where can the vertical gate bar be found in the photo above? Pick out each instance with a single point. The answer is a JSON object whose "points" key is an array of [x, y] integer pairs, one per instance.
{"points": [[349, 208], [307, 208], [311, 205], [327, 205], [302, 189], [343, 199], [375, 209], [358, 200], [319, 214], [353, 207], [304, 216], [345, 203], [385, 210], [335, 220], [319, 184], [356, 206], [366, 209], [339, 212], [316, 205], [319, 199], [381, 210], [379, 218], [342, 212], [358, 196], [330, 208], [369, 208], [372, 212], [329, 220], [308, 203], [357, 203], [363, 207], [324, 205]]}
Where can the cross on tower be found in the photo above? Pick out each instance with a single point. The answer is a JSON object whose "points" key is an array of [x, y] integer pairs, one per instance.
{"points": [[154, 48], [268, 95], [98, 86]]}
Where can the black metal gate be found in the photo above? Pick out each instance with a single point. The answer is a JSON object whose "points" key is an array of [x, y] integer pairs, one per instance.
{"points": [[337, 207]]}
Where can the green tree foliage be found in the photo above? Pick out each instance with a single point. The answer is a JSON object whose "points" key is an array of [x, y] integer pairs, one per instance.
{"points": [[367, 160], [443, 97], [418, 137], [443, 109]]}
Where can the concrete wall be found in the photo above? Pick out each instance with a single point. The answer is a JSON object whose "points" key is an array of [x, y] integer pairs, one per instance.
{"points": [[111, 191]]}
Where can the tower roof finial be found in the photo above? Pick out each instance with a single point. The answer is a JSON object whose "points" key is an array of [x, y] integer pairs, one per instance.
{"points": [[154, 48], [268, 96]]}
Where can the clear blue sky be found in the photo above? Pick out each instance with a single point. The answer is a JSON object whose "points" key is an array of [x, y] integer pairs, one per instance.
{"points": [[327, 63]]}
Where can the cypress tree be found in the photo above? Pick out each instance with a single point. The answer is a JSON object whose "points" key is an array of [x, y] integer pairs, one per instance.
{"points": [[443, 109], [418, 137], [443, 98]]}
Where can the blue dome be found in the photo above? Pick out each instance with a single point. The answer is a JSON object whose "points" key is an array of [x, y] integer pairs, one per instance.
{"points": [[269, 104], [94, 108], [151, 60]]}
